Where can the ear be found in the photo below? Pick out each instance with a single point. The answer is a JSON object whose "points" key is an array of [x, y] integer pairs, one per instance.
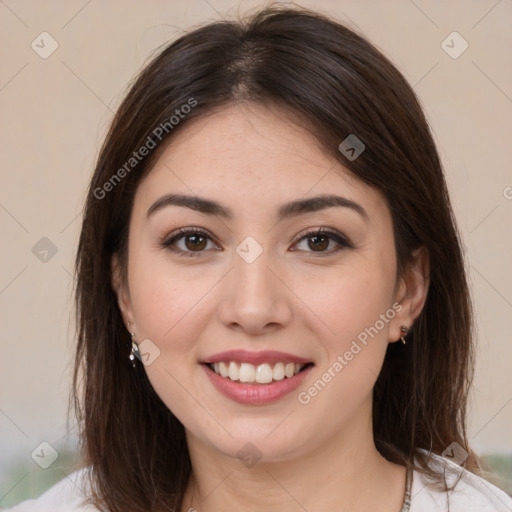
{"points": [[120, 287], [411, 293]]}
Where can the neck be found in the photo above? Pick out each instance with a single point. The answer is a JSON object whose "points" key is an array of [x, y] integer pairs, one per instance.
{"points": [[348, 469]]}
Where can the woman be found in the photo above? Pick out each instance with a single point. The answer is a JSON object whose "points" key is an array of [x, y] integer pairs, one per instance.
{"points": [[271, 299]]}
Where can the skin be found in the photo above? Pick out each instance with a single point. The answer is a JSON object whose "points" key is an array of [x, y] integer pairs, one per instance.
{"points": [[293, 298]]}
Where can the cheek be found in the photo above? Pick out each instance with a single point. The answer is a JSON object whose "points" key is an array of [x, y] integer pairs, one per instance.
{"points": [[171, 309], [355, 342], [168, 300], [348, 300]]}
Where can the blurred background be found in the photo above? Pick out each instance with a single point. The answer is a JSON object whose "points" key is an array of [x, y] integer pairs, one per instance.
{"points": [[65, 68]]}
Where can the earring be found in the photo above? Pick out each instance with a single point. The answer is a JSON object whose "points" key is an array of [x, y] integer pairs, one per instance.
{"points": [[134, 353], [403, 330]]}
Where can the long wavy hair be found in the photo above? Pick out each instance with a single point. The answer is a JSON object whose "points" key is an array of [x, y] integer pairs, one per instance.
{"points": [[338, 84]]}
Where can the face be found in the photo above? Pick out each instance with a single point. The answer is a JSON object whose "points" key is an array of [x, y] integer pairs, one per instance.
{"points": [[313, 283]]}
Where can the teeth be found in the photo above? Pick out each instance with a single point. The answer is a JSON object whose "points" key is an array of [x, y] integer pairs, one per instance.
{"points": [[234, 371], [278, 373], [262, 374], [247, 372], [289, 370], [224, 369]]}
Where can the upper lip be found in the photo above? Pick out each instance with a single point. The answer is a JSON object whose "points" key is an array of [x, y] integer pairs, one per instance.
{"points": [[265, 356]]}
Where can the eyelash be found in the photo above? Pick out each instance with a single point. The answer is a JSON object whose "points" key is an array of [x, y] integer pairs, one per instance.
{"points": [[168, 243]]}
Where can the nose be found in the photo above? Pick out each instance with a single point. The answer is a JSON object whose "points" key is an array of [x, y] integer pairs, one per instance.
{"points": [[254, 298]]}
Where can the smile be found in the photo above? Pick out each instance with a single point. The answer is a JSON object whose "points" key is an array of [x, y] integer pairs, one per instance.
{"points": [[252, 392], [264, 373]]}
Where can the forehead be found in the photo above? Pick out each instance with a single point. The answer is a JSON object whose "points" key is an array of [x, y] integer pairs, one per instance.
{"points": [[248, 156]]}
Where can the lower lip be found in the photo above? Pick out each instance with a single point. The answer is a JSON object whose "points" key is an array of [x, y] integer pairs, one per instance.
{"points": [[255, 394]]}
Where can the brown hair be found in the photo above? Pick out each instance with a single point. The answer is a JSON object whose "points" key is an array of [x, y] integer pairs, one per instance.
{"points": [[338, 84]]}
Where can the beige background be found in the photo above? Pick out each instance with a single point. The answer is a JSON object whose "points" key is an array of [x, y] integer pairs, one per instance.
{"points": [[54, 113]]}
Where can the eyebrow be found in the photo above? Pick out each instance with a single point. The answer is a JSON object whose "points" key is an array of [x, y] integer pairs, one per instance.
{"points": [[285, 211]]}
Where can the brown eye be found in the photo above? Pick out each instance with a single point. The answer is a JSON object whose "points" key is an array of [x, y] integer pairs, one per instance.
{"points": [[318, 243], [188, 241], [195, 242]]}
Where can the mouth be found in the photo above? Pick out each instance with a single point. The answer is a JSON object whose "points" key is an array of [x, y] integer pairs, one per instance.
{"points": [[256, 378], [257, 374]]}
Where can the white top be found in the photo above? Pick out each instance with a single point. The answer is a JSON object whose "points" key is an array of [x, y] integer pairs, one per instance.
{"points": [[471, 494]]}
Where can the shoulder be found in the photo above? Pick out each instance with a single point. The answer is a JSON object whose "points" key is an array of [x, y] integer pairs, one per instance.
{"points": [[68, 495], [470, 494]]}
